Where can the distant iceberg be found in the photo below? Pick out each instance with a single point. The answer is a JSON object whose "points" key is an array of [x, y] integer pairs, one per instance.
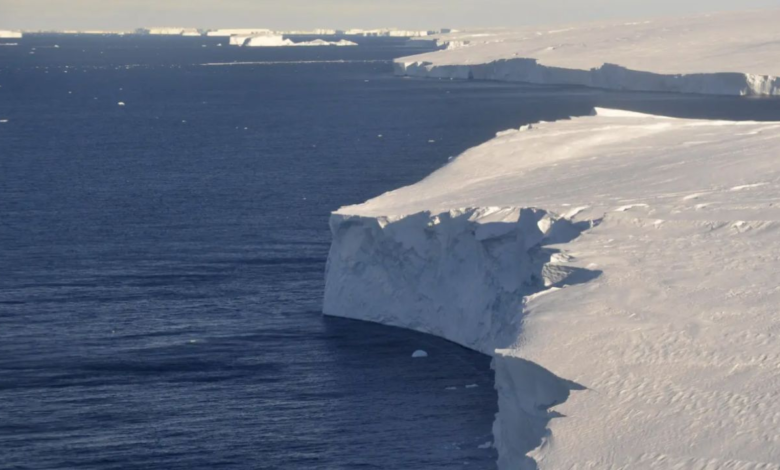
{"points": [[320, 42], [275, 40], [6, 34], [237, 32]]}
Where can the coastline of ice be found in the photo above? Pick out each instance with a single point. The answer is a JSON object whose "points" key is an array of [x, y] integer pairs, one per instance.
{"points": [[723, 54], [621, 269]]}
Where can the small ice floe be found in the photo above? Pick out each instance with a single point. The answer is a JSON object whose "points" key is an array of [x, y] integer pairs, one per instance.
{"points": [[486, 445], [121, 103], [472, 386], [419, 353], [56, 46], [379, 136], [431, 141], [451, 388], [3, 121], [193, 341]]}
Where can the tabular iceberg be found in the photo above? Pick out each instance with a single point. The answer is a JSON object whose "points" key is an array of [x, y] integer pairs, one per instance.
{"points": [[272, 40], [623, 271], [726, 53], [5, 34]]}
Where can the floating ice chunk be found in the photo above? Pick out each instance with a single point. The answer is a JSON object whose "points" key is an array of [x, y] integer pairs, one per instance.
{"points": [[276, 40], [451, 388], [121, 103], [486, 445], [3, 121], [472, 386], [419, 353]]}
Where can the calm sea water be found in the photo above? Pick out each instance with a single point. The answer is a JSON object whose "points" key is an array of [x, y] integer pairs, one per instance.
{"points": [[161, 262]]}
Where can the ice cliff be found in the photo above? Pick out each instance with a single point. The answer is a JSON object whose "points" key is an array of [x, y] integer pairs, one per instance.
{"points": [[623, 271], [726, 53]]}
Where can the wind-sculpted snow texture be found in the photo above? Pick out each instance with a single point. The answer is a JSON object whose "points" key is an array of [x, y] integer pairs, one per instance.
{"points": [[726, 54], [622, 269]]}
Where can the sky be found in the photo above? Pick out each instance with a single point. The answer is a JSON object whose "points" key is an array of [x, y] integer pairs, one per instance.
{"points": [[340, 14]]}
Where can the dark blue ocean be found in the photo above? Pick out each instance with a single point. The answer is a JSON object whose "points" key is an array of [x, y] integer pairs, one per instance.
{"points": [[162, 262]]}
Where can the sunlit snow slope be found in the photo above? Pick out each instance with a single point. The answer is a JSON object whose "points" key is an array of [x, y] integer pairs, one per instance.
{"points": [[624, 271], [725, 53]]}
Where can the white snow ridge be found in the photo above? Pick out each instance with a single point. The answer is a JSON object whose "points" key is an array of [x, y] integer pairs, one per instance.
{"points": [[637, 331]]}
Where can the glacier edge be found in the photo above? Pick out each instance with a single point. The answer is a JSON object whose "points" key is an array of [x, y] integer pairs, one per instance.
{"points": [[608, 76], [462, 275], [646, 271]]}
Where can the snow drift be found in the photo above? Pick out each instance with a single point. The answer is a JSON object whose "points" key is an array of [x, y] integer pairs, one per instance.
{"points": [[623, 271], [726, 54]]}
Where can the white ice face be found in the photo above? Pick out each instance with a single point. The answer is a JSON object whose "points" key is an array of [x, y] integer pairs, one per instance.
{"points": [[622, 269]]}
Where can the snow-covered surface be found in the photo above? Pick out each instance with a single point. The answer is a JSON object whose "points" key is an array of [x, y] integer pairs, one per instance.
{"points": [[725, 53], [622, 269]]}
